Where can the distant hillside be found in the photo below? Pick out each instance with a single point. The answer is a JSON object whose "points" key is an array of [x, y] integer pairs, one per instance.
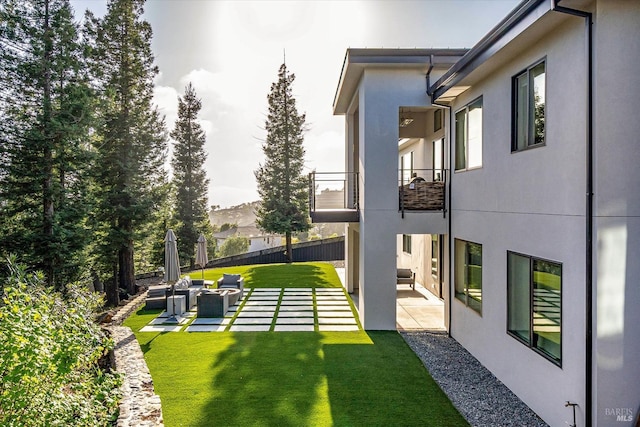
{"points": [[243, 215]]}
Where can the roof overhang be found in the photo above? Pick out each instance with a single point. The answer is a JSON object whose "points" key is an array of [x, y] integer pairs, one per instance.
{"points": [[357, 60], [503, 42]]}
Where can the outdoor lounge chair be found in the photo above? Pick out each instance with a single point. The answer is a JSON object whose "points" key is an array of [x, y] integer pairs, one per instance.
{"points": [[405, 276], [235, 281], [213, 303]]}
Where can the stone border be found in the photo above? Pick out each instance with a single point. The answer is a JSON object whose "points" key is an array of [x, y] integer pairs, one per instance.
{"points": [[139, 405], [124, 311]]}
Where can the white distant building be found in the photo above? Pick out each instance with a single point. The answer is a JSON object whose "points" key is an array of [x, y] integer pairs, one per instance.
{"points": [[527, 223], [258, 240]]}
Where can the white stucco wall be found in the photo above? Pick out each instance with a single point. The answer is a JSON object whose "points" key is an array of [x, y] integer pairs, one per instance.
{"points": [[381, 93], [531, 202], [617, 213]]}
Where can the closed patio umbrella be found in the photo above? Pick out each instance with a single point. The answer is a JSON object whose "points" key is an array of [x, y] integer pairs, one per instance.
{"points": [[171, 268], [171, 261], [201, 253]]}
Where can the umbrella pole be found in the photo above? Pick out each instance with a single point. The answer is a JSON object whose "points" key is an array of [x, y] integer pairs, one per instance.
{"points": [[173, 318]]}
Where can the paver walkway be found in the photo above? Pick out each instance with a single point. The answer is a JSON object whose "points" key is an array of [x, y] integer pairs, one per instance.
{"points": [[272, 309]]}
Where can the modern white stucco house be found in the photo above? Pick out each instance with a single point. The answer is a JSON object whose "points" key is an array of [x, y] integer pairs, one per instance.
{"points": [[532, 140]]}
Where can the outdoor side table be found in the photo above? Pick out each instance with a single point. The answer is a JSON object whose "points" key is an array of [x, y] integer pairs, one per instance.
{"points": [[180, 304], [213, 303]]}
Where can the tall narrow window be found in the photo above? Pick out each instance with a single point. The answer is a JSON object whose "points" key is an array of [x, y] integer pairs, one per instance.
{"points": [[406, 243], [435, 254], [469, 136], [437, 120], [406, 167], [529, 93], [438, 160], [534, 303], [468, 273]]}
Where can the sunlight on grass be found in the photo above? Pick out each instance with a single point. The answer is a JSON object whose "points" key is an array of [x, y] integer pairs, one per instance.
{"points": [[293, 378], [295, 275], [290, 378]]}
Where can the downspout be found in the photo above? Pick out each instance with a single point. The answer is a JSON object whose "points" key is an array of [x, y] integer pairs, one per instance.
{"points": [[449, 237], [589, 212]]}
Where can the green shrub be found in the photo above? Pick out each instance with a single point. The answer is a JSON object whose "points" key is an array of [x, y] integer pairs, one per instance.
{"points": [[49, 353], [233, 246]]}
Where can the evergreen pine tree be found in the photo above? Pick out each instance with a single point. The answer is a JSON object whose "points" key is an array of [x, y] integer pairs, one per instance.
{"points": [[189, 176], [45, 111], [130, 142], [282, 187]]}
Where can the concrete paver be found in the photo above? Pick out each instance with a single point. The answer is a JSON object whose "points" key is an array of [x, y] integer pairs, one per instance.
{"points": [[294, 309]]}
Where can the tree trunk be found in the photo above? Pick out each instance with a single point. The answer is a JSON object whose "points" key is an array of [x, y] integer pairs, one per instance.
{"points": [[47, 172], [126, 271], [111, 289], [289, 252]]}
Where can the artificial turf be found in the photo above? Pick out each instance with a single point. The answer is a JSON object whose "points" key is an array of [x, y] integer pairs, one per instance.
{"points": [[295, 275], [363, 378]]}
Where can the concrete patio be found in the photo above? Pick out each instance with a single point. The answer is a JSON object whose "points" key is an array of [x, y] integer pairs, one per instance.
{"points": [[307, 309], [271, 309]]}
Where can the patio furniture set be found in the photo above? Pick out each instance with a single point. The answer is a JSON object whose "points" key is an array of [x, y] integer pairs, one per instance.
{"points": [[187, 293]]}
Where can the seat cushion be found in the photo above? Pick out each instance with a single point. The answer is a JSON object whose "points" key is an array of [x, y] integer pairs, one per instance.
{"points": [[230, 278], [404, 273]]}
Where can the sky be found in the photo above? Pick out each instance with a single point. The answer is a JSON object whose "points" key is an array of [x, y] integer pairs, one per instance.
{"points": [[231, 51]]}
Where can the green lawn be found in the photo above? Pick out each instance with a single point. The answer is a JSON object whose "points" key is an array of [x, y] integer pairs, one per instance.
{"points": [[290, 378], [296, 275]]}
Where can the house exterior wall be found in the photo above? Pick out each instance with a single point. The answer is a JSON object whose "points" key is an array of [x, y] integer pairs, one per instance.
{"points": [[617, 213], [380, 95], [531, 202]]}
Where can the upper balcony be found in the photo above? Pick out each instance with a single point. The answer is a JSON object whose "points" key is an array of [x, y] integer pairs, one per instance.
{"points": [[333, 197], [422, 190]]}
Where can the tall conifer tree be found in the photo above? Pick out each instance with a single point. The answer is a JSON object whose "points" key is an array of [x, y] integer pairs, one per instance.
{"points": [[282, 187], [45, 105], [130, 141], [189, 177]]}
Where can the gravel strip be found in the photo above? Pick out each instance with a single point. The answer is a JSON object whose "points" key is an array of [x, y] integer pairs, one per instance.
{"points": [[480, 397]]}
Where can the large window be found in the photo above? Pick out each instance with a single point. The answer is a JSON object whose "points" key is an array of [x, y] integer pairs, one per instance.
{"points": [[534, 303], [469, 136], [529, 107], [468, 271]]}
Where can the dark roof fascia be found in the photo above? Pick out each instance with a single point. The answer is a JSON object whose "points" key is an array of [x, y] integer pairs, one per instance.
{"points": [[482, 50], [393, 56]]}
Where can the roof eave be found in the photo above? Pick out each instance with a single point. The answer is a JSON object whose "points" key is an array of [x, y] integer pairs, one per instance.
{"points": [[484, 49], [357, 59]]}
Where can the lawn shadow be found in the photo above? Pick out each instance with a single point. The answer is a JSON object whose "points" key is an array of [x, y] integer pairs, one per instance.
{"points": [[384, 383], [266, 379]]}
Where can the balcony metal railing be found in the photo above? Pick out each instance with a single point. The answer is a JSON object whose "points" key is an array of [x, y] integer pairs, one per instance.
{"points": [[334, 196], [333, 192], [422, 190]]}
